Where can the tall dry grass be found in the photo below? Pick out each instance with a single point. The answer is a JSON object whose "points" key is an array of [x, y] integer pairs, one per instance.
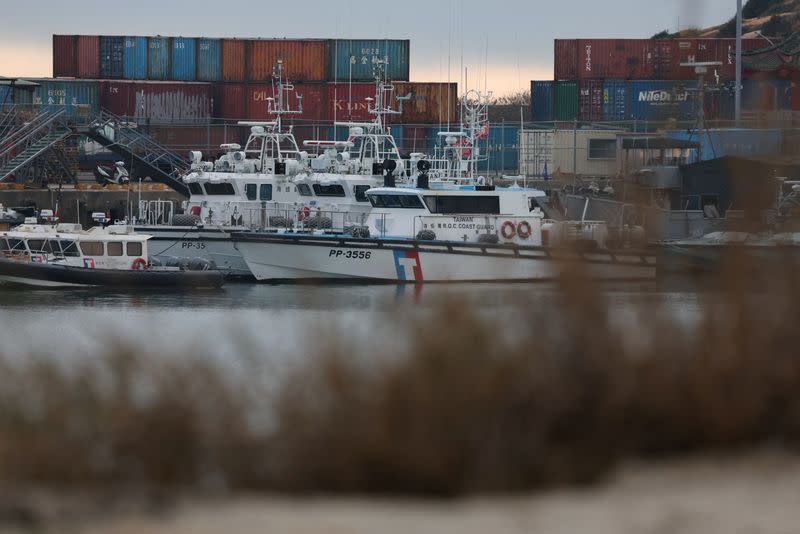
{"points": [[465, 405]]}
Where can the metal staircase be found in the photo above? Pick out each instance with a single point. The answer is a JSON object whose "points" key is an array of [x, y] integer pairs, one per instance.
{"points": [[144, 155], [25, 142]]}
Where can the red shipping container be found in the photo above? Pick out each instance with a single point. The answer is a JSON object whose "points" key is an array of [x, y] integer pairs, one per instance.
{"points": [[116, 97], [590, 100], [430, 103], [182, 139], [418, 139], [314, 99], [88, 56], [348, 102], [303, 60], [64, 57], [234, 60], [565, 63], [157, 101], [230, 101]]}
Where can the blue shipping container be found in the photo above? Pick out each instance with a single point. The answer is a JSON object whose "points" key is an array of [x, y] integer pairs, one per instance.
{"points": [[615, 100], [353, 59], [184, 59], [6, 95], [660, 101], [158, 56], [732, 142], [209, 64], [135, 58], [501, 148], [112, 51], [76, 97], [542, 101]]}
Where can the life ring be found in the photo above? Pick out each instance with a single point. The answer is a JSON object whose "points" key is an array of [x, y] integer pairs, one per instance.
{"points": [[303, 213], [508, 230], [524, 230], [139, 264]]}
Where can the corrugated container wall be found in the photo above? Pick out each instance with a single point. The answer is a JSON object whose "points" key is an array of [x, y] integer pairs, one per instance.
{"points": [[314, 95], [590, 100], [503, 149], [234, 60], [6, 95], [732, 141], [77, 97], [209, 68], [88, 56], [542, 100], [430, 103], [615, 100], [117, 97], [353, 59], [348, 101], [159, 102], [229, 101], [64, 61], [112, 50], [184, 59], [660, 100], [135, 58], [303, 60], [158, 58], [565, 59], [566, 101]]}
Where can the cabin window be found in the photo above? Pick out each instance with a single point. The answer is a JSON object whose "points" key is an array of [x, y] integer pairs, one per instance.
{"points": [[17, 245], [36, 245], [334, 190], [92, 248], [450, 204], [220, 189], [396, 201], [265, 192], [114, 248], [250, 190], [430, 201], [304, 190], [602, 149], [70, 249], [133, 248], [3, 245], [195, 188], [360, 192]]}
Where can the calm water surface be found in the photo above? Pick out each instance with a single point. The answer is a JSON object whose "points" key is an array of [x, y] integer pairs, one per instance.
{"points": [[278, 318]]}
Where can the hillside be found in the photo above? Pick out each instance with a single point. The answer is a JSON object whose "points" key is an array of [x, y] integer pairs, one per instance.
{"points": [[773, 18]]}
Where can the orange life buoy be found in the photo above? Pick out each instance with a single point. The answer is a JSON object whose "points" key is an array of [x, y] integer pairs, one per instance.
{"points": [[139, 264], [303, 213], [524, 230], [508, 230]]}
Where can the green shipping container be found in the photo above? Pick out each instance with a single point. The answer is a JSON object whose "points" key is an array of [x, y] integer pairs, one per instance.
{"points": [[566, 101]]}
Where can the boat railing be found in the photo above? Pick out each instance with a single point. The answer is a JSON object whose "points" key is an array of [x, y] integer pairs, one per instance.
{"points": [[156, 212], [301, 219]]}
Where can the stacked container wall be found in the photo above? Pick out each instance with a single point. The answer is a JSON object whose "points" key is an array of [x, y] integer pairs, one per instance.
{"points": [[158, 58], [542, 101], [659, 101], [234, 60], [565, 63], [590, 100], [354, 59], [6, 96], [716, 143], [615, 100], [134, 58], [181, 139], [314, 98], [502, 149], [209, 67], [430, 103], [348, 101], [76, 97], [112, 50], [117, 97], [64, 61], [230, 101], [418, 139], [88, 56], [184, 59], [303, 60], [566, 101], [167, 102]]}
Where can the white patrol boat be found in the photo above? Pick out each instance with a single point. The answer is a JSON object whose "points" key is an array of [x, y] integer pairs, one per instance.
{"points": [[271, 183], [65, 255]]}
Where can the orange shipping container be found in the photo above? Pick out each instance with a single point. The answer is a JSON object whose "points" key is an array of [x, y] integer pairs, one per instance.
{"points": [[430, 103], [234, 60], [303, 60]]}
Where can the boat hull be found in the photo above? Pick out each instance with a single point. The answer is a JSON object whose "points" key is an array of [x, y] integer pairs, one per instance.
{"points": [[53, 275], [283, 257]]}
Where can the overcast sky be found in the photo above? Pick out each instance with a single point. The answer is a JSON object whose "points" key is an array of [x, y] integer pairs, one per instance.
{"points": [[517, 34]]}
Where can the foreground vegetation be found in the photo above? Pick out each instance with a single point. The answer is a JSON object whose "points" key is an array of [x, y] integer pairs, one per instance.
{"points": [[466, 406]]}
